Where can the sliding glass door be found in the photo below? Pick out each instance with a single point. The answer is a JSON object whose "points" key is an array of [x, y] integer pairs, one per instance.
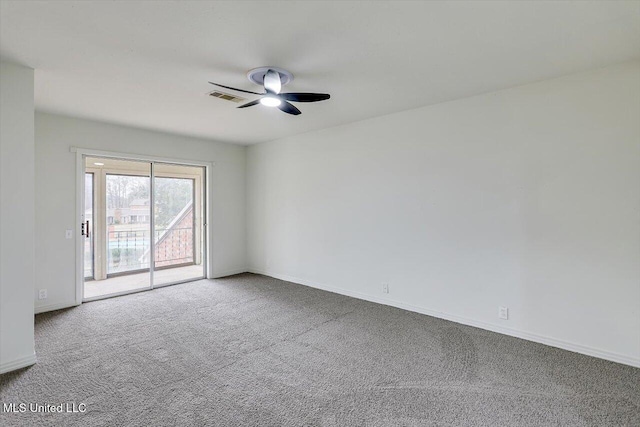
{"points": [[145, 225]]}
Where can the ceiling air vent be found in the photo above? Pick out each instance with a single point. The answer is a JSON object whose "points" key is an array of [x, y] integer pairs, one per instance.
{"points": [[227, 97]]}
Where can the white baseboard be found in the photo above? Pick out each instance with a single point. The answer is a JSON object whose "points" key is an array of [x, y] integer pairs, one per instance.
{"points": [[553, 342], [21, 362], [53, 307], [231, 272]]}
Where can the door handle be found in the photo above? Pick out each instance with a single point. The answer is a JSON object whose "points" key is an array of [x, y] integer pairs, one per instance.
{"points": [[84, 229]]}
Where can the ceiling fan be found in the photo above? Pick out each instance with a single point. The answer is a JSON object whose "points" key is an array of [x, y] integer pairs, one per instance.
{"points": [[272, 79]]}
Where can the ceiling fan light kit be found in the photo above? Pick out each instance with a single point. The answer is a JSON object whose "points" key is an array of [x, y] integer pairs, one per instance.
{"points": [[272, 79], [270, 101]]}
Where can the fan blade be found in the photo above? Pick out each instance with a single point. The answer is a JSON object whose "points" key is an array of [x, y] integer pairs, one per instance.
{"points": [[233, 88], [288, 108], [272, 82], [249, 104], [305, 97]]}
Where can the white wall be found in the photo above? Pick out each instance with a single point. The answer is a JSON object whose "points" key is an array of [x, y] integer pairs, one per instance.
{"points": [[526, 198], [56, 193], [17, 162]]}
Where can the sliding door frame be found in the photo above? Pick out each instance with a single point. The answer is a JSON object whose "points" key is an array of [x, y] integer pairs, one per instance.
{"points": [[82, 153]]}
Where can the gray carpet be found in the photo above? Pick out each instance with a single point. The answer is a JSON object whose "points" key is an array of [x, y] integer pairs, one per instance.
{"points": [[250, 350]]}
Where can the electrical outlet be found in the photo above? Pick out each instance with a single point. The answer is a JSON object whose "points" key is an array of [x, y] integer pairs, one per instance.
{"points": [[68, 234], [42, 294], [503, 313], [385, 288]]}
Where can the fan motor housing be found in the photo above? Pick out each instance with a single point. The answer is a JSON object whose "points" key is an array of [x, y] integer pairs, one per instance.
{"points": [[257, 75]]}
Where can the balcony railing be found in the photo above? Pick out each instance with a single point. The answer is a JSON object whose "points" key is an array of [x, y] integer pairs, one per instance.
{"points": [[129, 250]]}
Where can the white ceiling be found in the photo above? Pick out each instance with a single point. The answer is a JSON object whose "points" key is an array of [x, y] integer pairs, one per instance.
{"points": [[147, 64]]}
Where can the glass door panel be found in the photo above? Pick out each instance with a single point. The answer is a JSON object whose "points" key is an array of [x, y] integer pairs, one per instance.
{"points": [[178, 223], [122, 227], [128, 222]]}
